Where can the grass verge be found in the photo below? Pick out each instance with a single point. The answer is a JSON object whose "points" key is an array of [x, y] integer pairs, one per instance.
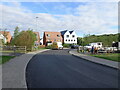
{"points": [[109, 56], [4, 59]]}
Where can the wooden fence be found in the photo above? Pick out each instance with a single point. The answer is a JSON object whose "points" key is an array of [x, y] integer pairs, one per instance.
{"points": [[13, 49]]}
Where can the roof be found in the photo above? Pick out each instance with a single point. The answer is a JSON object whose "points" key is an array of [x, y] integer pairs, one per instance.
{"points": [[63, 32], [53, 34], [4, 32], [70, 32]]}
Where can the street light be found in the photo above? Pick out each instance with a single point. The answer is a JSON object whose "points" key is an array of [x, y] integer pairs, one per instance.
{"points": [[36, 23]]}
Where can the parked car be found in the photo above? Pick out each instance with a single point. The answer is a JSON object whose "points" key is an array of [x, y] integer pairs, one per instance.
{"points": [[74, 46]]}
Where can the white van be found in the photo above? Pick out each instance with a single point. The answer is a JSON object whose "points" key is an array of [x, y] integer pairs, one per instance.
{"points": [[59, 44], [96, 44]]}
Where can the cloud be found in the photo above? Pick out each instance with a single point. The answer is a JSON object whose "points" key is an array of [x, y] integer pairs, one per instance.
{"points": [[61, 1], [98, 17], [93, 18]]}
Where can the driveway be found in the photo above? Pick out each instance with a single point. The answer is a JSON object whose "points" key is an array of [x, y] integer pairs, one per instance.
{"points": [[59, 69]]}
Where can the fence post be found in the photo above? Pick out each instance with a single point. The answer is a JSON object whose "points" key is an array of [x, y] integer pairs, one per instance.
{"points": [[25, 49], [14, 49]]}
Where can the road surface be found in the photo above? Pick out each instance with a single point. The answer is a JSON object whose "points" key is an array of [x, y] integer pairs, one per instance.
{"points": [[59, 69]]}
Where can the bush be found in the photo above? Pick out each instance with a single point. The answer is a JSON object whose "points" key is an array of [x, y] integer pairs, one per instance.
{"points": [[49, 47], [66, 45], [54, 45]]}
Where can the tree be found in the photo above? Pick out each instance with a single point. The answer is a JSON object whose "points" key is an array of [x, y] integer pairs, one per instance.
{"points": [[105, 39], [26, 38], [16, 32]]}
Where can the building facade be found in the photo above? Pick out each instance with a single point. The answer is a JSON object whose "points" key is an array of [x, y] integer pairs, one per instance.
{"points": [[3, 38], [7, 35], [69, 37], [50, 37]]}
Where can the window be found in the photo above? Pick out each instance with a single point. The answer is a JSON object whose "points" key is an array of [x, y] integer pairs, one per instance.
{"points": [[66, 39], [67, 36], [48, 35], [58, 35], [99, 44], [74, 40], [71, 40], [73, 36]]}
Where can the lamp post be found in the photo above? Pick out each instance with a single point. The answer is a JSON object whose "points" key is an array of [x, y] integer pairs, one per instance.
{"points": [[36, 43], [36, 23]]}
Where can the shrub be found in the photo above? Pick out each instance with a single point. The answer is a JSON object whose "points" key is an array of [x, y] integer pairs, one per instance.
{"points": [[54, 45], [66, 45], [49, 47], [41, 46]]}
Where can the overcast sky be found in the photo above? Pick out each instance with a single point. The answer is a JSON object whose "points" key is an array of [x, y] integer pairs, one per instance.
{"points": [[84, 17]]}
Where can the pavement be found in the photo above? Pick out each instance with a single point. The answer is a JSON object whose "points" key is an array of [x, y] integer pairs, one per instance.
{"points": [[14, 71], [11, 54], [59, 69], [101, 61]]}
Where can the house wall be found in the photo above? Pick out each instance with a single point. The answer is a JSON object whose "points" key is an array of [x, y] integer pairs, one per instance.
{"points": [[70, 39], [52, 38], [8, 35], [3, 38]]}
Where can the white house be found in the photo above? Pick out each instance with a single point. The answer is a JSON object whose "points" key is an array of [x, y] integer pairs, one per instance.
{"points": [[69, 37], [41, 41], [3, 38]]}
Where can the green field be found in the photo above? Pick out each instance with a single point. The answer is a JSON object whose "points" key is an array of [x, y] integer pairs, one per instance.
{"points": [[4, 59], [109, 56]]}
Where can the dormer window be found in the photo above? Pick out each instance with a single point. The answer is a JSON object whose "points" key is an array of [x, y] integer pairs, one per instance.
{"points": [[67, 36], [48, 35]]}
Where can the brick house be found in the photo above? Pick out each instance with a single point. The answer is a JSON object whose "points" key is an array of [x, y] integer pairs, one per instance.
{"points": [[37, 42], [7, 35], [50, 37]]}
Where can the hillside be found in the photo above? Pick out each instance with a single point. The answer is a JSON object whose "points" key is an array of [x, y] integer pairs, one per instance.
{"points": [[107, 39]]}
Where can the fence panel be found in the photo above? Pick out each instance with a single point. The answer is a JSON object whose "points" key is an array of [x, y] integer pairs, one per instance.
{"points": [[12, 50]]}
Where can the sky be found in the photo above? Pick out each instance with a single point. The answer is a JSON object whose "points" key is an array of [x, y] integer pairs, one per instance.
{"points": [[83, 17]]}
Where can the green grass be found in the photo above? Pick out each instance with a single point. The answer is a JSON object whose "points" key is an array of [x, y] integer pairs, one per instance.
{"points": [[109, 56], [11, 51], [4, 59]]}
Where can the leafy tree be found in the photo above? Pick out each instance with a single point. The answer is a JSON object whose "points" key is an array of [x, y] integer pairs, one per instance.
{"points": [[80, 41], [26, 38], [16, 32]]}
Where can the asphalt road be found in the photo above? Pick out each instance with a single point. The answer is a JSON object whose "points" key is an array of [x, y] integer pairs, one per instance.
{"points": [[59, 69]]}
